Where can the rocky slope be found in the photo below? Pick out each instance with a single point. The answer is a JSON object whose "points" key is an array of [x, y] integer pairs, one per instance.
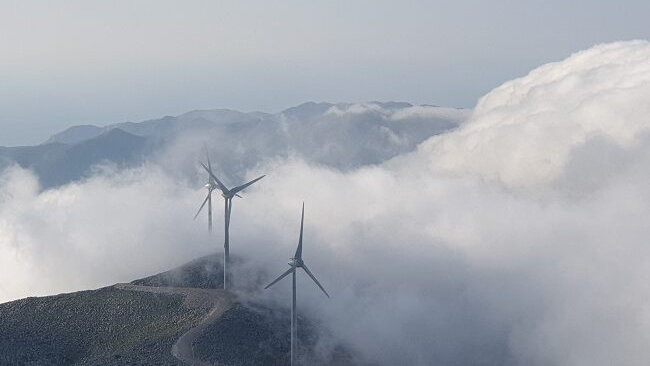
{"points": [[106, 326], [142, 322]]}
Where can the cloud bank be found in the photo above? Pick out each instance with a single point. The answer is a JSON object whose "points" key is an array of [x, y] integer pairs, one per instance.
{"points": [[517, 239], [526, 131]]}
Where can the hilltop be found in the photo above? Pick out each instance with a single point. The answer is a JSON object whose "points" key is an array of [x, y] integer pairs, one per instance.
{"points": [[176, 315]]}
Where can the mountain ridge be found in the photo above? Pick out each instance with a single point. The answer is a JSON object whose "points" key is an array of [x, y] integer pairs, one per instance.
{"points": [[321, 133], [76, 133]]}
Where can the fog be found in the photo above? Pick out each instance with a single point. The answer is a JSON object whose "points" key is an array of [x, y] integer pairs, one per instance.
{"points": [[518, 238]]}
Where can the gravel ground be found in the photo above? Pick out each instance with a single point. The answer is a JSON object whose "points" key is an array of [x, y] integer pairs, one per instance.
{"points": [[205, 272], [253, 334], [100, 327], [182, 311]]}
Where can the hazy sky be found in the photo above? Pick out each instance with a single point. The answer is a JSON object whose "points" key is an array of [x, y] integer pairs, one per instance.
{"points": [[83, 62]]}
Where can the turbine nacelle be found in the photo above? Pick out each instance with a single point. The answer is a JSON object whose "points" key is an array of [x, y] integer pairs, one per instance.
{"points": [[295, 262], [225, 192]]}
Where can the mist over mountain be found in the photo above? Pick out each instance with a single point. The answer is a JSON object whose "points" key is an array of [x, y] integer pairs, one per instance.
{"points": [[342, 136], [59, 163]]}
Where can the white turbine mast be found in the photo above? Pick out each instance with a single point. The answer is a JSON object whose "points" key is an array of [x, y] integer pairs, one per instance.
{"points": [[227, 194], [295, 263]]}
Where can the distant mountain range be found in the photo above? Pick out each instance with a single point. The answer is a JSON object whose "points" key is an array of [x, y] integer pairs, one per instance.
{"points": [[59, 163], [343, 136]]}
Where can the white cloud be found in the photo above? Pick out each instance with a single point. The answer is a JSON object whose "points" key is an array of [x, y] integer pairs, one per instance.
{"points": [[430, 112], [524, 132], [436, 257], [402, 113], [114, 227], [356, 109]]}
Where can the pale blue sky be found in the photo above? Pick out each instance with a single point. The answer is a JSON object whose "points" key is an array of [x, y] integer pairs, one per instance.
{"points": [[89, 62]]}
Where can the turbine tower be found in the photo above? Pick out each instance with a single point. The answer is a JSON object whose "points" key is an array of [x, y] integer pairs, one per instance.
{"points": [[227, 194], [295, 263]]}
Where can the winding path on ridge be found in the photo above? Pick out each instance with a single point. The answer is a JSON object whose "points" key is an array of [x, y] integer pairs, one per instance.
{"points": [[218, 300]]}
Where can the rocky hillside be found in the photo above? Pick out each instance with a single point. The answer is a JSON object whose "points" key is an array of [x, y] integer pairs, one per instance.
{"points": [[100, 327], [142, 322]]}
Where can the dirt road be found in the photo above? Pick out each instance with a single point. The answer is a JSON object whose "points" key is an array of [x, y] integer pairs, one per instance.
{"points": [[218, 300]]}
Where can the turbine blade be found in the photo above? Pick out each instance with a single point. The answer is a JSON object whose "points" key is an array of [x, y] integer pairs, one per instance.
{"points": [[238, 196], [208, 157], [210, 211], [229, 210], [241, 188], [226, 213], [281, 277], [314, 278], [302, 220], [221, 186], [203, 204]]}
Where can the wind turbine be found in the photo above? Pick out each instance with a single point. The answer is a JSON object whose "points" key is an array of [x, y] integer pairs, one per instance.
{"points": [[210, 186], [227, 194], [295, 263]]}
